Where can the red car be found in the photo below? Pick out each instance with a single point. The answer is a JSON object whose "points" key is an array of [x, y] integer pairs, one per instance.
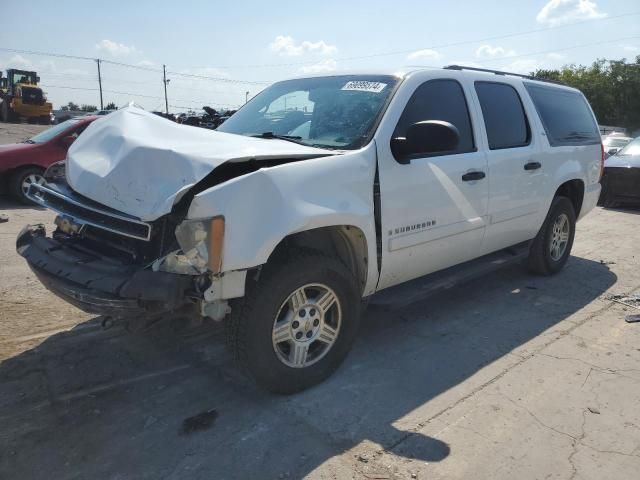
{"points": [[24, 163]]}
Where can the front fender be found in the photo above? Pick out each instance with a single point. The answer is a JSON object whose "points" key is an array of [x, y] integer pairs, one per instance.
{"points": [[264, 207]]}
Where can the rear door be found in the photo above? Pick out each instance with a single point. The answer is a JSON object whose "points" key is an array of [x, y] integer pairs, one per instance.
{"points": [[515, 163], [433, 212]]}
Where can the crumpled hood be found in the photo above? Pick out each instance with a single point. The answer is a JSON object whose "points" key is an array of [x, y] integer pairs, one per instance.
{"points": [[140, 163]]}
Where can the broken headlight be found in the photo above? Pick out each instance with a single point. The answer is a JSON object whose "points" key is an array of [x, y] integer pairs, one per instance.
{"points": [[56, 171], [200, 251]]}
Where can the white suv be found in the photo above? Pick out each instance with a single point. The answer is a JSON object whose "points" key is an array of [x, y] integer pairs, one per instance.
{"points": [[318, 193]]}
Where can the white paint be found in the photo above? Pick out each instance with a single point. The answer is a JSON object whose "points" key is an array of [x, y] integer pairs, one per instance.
{"points": [[141, 164], [265, 206]]}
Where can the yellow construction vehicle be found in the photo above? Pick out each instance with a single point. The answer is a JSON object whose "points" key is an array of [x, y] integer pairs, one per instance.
{"points": [[21, 97]]}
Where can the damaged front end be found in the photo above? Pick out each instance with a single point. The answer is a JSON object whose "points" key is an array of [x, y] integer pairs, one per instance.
{"points": [[123, 245], [108, 263]]}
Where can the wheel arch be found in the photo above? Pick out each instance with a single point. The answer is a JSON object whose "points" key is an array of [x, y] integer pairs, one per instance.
{"points": [[574, 190], [347, 243]]}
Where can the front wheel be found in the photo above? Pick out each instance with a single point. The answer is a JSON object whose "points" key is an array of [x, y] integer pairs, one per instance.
{"points": [[551, 248], [296, 324]]}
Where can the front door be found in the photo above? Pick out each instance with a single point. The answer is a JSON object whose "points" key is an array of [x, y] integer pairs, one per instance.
{"points": [[433, 207]]}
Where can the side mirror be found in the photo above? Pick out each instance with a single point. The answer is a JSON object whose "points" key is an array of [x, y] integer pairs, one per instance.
{"points": [[67, 141], [426, 137]]}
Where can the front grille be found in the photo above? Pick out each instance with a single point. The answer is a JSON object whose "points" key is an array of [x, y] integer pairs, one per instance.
{"points": [[93, 215]]}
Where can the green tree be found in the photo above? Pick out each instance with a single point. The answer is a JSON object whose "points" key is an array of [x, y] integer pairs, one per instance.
{"points": [[73, 106], [111, 106], [88, 108]]}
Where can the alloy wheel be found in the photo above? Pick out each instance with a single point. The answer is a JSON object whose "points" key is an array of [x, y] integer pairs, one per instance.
{"points": [[307, 325], [31, 179], [559, 237]]}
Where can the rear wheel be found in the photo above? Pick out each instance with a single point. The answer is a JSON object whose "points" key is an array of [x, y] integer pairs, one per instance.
{"points": [[22, 179], [4, 111], [296, 324], [552, 246]]}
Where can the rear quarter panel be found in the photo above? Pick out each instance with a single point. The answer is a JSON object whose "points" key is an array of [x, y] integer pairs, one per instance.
{"points": [[565, 163]]}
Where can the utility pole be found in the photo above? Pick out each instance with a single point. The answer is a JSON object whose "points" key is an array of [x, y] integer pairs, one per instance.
{"points": [[100, 83], [165, 81]]}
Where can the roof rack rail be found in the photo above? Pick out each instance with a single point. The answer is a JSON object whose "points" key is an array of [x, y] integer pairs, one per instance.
{"points": [[498, 72]]}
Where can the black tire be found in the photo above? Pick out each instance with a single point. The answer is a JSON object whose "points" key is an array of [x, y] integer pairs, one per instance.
{"points": [[250, 325], [4, 111], [18, 178], [541, 260], [606, 199]]}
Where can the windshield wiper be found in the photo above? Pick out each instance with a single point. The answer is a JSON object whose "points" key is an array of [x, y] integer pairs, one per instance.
{"points": [[288, 138], [28, 140]]}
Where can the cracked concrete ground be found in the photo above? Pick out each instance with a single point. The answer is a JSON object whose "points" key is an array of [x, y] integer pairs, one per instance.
{"points": [[510, 376]]}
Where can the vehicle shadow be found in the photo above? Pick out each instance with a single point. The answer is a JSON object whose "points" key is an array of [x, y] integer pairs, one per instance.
{"points": [[632, 209], [7, 204], [94, 403]]}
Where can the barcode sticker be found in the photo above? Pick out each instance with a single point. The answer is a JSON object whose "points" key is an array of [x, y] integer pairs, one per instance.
{"points": [[364, 86]]}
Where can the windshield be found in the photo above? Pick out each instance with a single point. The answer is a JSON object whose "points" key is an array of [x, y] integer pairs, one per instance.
{"points": [[632, 148], [328, 112], [48, 134]]}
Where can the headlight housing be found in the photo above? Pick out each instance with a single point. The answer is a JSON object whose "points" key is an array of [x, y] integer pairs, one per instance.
{"points": [[200, 248], [56, 171]]}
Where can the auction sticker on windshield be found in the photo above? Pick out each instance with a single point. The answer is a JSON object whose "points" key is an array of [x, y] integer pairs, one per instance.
{"points": [[364, 86]]}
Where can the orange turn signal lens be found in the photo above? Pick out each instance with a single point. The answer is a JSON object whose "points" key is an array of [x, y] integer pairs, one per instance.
{"points": [[215, 241]]}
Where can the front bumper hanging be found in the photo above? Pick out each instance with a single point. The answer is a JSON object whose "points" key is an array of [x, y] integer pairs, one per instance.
{"points": [[97, 284]]}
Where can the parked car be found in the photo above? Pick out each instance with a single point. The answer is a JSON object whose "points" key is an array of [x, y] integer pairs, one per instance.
{"points": [[318, 193], [614, 142], [99, 113], [621, 178], [22, 164]]}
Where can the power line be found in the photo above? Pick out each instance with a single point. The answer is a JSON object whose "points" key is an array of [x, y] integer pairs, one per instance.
{"points": [[310, 62], [221, 79], [138, 67], [141, 95], [45, 54], [541, 52], [433, 47]]}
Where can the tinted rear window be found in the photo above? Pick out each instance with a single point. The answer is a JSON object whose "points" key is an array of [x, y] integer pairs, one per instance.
{"points": [[565, 115], [504, 116]]}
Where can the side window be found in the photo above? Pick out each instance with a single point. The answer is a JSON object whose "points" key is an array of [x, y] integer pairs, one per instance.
{"points": [[504, 117], [439, 100], [565, 115]]}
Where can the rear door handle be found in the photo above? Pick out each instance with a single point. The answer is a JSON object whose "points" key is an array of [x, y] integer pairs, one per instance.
{"points": [[532, 166], [471, 176]]}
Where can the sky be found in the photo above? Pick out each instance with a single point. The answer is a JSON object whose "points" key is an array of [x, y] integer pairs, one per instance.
{"points": [[220, 53]]}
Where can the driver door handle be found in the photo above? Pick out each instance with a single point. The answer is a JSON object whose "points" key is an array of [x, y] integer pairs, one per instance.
{"points": [[532, 165], [471, 176]]}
